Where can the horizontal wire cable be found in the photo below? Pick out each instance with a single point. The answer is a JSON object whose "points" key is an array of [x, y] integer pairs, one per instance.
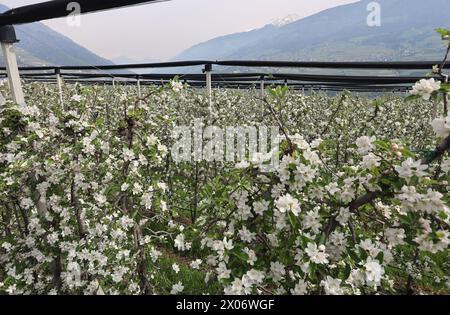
{"points": [[398, 65]]}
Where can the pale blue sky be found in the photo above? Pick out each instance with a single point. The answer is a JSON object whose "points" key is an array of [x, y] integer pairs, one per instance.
{"points": [[162, 30]]}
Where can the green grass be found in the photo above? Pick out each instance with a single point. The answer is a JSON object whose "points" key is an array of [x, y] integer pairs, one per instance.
{"points": [[192, 279]]}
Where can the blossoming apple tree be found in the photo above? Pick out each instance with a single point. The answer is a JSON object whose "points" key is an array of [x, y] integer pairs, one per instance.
{"points": [[92, 202]]}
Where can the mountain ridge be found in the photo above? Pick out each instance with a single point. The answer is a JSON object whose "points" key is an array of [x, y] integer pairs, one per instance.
{"points": [[39, 45], [340, 34]]}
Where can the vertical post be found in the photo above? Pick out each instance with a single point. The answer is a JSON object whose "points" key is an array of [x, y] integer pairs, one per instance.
{"points": [[7, 39], [208, 72], [113, 82], [139, 89], [59, 83], [2, 98], [262, 87], [446, 97]]}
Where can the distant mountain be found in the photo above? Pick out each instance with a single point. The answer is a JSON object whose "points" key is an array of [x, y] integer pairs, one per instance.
{"points": [[123, 60], [340, 34], [40, 45]]}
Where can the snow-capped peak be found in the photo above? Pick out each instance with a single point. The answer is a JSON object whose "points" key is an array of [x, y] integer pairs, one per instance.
{"points": [[284, 21]]}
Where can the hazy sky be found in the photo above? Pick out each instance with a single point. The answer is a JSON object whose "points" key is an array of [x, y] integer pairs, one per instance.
{"points": [[162, 30]]}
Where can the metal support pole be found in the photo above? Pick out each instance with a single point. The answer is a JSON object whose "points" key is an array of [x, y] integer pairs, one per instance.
{"points": [[2, 99], [208, 72], [60, 83], [262, 87], [139, 90], [7, 39]]}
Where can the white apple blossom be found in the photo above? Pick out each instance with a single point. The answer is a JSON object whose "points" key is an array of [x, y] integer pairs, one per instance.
{"points": [[410, 168], [374, 272], [425, 88], [316, 254], [177, 288], [365, 144], [370, 161], [343, 216], [332, 286], [260, 207], [441, 126], [288, 203], [176, 268], [445, 166], [256, 276], [246, 235], [176, 86], [180, 242], [395, 236], [196, 264], [277, 271], [301, 288], [124, 187], [222, 271]]}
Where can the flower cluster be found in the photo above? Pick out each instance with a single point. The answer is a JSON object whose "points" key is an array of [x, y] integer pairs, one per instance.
{"points": [[425, 88]]}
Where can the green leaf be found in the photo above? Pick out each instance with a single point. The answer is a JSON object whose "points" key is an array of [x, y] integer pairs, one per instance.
{"points": [[445, 33], [445, 88], [292, 219], [240, 255], [412, 98], [407, 153], [347, 271], [353, 255], [382, 144], [380, 257]]}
